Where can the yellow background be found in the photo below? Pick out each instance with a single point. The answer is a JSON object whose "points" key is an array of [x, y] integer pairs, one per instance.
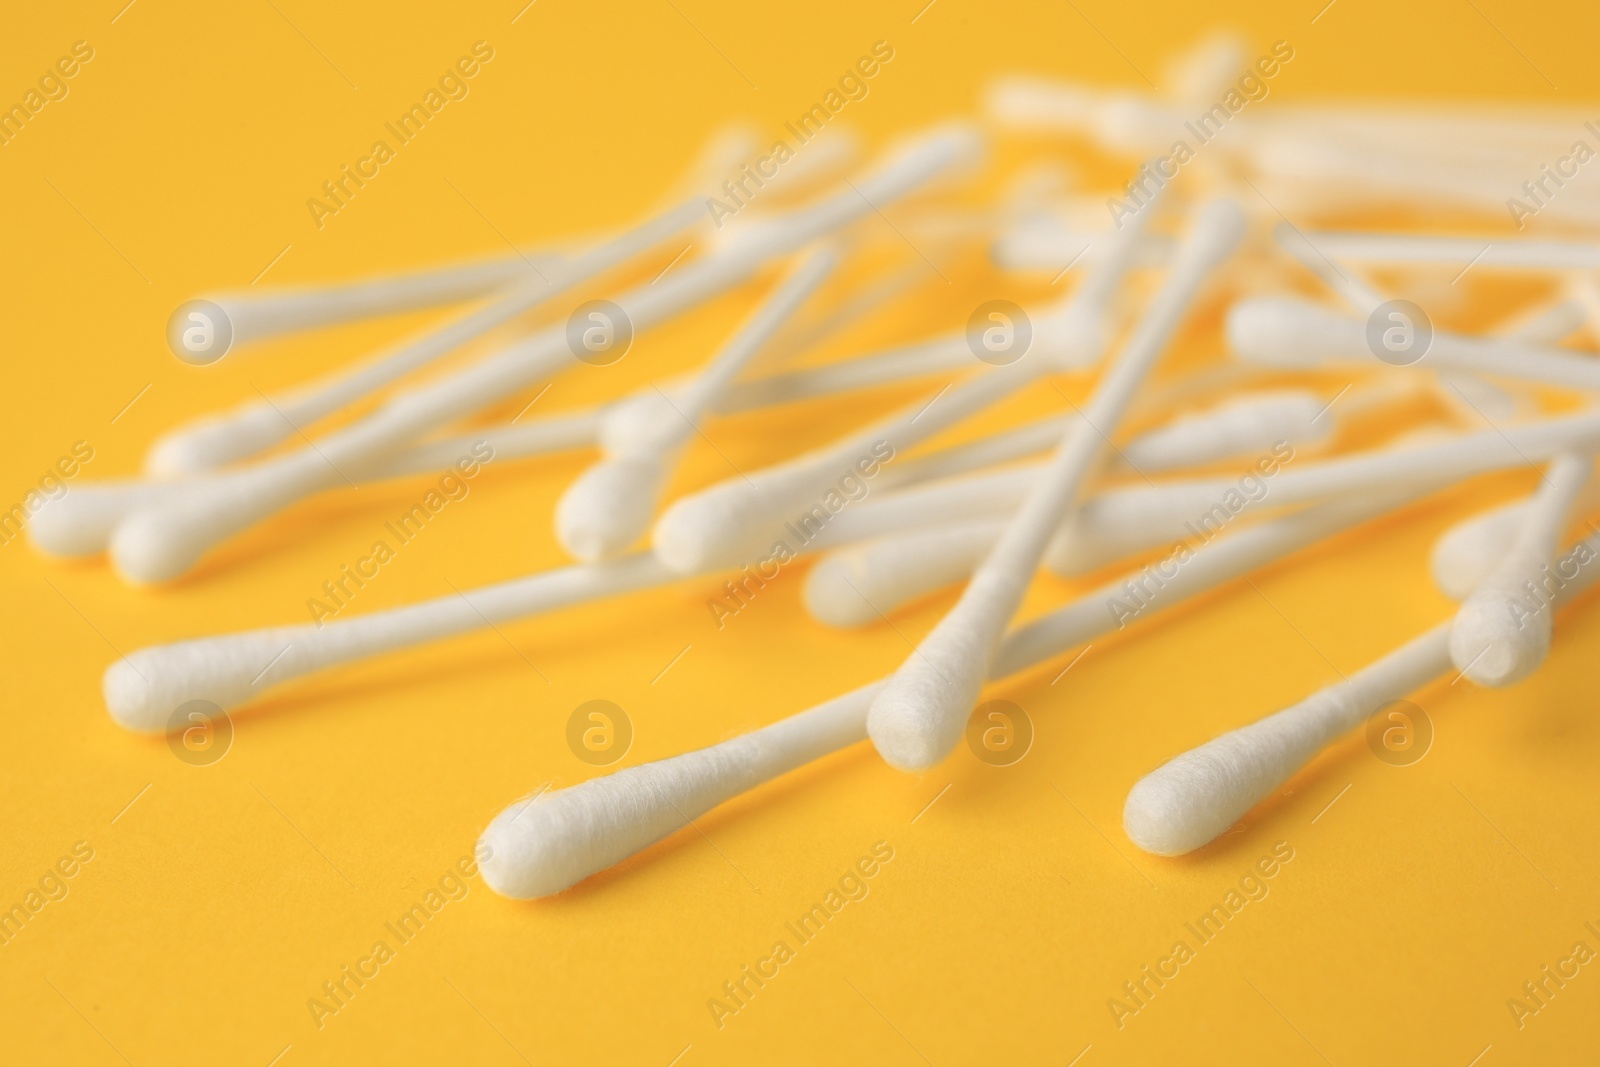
{"points": [[223, 898]]}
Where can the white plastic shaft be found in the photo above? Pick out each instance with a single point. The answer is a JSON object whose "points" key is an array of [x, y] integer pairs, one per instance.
{"points": [[1285, 332], [1501, 633], [918, 717], [1458, 252], [255, 316], [214, 442]]}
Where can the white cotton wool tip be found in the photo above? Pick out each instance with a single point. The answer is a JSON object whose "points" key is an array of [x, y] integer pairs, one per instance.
{"points": [[608, 507], [168, 539], [1497, 640], [1073, 339], [1194, 798], [1209, 68], [1249, 424], [641, 425], [916, 728], [860, 585], [213, 443], [1469, 551], [147, 548], [917, 720], [725, 526], [80, 523], [144, 689], [1287, 332], [541, 846]]}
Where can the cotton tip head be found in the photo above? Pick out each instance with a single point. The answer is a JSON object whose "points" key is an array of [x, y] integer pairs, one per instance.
{"points": [[149, 547], [833, 594], [527, 851], [918, 718], [643, 424], [212, 443], [1218, 229], [145, 689], [1073, 337], [1497, 640], [167, 540], [79, 522], [1248, 424], [1207, 69], [1157, 818], [1033, 103], [1470, 551], [1287, 332], [608, 508], [721, 527], [947, 153], [1194, 799]]}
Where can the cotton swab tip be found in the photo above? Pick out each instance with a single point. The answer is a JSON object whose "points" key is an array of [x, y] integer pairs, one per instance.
{"points": [[525, 855], [608, 507], [1196, 797], [920, 716], [79, 523], [212, 443], [1469, 551], [148, 548], [708, 531], [638, 425], [1497, 640], [1287, 332], [146, 687]]}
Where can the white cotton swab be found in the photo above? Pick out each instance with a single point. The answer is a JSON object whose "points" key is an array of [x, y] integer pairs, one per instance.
{"points": [[144, 688], [80, 523], [1501, 634], [1293, 333], [255, 315], [164, 543], [861, 584], [1045, 242], [732, 522], [1248, 424], [213, 442], [540, 846], [918, 717], [609, 507], [935, 355], [1194, 798], [1468, 552], [1497, 251]]}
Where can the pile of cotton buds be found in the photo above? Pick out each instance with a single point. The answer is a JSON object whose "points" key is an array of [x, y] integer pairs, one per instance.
{"points": [[1216, 170]]}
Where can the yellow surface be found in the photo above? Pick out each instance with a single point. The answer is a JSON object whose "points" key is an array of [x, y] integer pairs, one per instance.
{"points": [[219, 902]]}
